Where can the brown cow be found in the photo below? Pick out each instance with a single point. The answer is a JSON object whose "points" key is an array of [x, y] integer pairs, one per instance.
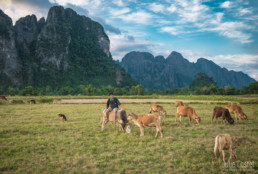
{"points": [[179, 103], [157, 108], [3, 97], [57, 100], [223, 142], [223, 113], [187, 111], [149, 120], [237, 110], [32, 101], [121, 118]]}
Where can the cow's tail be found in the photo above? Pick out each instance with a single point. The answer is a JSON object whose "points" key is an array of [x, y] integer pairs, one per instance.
{"points": [[216, 146]]}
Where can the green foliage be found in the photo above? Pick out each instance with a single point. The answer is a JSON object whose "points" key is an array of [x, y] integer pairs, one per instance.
{"points": [[202, 80], [28, 90], [253, 88]]}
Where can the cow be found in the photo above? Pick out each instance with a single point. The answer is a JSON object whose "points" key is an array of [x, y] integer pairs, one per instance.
{"points": [[148, 120], [3, 97], [179, 103], [223, 113], [62, 117], [187, 111], [121, 118], [32, 101], [157, 108], [57, 100], [237, 110], [224, 142]]}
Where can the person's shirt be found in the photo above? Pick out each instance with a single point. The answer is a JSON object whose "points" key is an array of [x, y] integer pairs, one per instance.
{"points": [[113, 103]]}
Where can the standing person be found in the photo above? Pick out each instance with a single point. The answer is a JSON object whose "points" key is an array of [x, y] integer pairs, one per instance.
{"points": [[112, 104]]}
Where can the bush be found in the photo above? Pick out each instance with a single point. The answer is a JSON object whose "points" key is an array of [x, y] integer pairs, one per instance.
{"points": [[45, 100], [17, 102]]}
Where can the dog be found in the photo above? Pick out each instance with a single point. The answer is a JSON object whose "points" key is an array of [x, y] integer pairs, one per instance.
{"points": [[62, 117]]}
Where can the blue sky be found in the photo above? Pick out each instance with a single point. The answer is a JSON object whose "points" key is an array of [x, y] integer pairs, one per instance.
{"points": [[225, 32]]}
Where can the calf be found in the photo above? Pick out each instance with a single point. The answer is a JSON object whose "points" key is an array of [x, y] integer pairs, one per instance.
{"points": [[179, 103], [157, 108], [32, 101], [223, 113], [119, 117], [237, 110], [57, 100], [148, 120], [223, 142], [187, 111], [3, 97]]}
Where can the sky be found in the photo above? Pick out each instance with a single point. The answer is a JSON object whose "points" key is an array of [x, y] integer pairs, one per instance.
{"points": [[224, 31]]}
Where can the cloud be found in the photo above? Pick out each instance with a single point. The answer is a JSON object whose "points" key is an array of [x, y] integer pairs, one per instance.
{"points": [[139, 17], [172, 8], [157, 8], [175, 30], [117, 12], [232, 30], [226, 4]]}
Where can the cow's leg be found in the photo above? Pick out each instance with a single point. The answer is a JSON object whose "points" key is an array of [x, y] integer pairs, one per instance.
{"points": [[213, 116], [236, 116], [176, 116], [223, 155], [115, 110], [190, 118], [180, 118], [142, 130], [150, 111], [158, 130], [230, 154]]}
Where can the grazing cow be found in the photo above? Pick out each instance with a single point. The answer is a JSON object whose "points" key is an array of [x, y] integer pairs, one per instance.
{"points": [[3, 97], [149, 120], [223, 113], [187, 111], [32, 101], [157, 108], [57, 100], [62, 117], [223, 142], [179, 103], [237, 110], [121, 118]]}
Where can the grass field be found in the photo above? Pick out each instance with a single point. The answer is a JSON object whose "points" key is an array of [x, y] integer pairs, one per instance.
{"points": [[33, 140]]}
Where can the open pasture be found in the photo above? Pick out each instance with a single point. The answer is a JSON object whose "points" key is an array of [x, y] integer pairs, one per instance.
{"points": [[34, 140]]}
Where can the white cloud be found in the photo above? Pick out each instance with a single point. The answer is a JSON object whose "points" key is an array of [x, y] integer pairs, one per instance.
{"points": [[156, 7], [232, 30], [244, 11], [171, 8], [175, 30], [140, 17], [17, 10], [226, 4], [117, 12]]}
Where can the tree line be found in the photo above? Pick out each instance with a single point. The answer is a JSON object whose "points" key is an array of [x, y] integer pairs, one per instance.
{"points": [[90, 90]]}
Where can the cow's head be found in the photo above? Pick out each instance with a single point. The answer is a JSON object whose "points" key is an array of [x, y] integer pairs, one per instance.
{"points": [[198, 119], [164, 112], [131, 116], [243, 116], [234, 152], [128, 127]]}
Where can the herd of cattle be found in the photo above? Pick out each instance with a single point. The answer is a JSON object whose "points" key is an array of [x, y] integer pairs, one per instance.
{"points": [[222, 141]]}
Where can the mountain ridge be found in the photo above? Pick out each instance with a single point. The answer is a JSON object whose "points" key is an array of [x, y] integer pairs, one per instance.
{"points": [[65, 49], [175, 71]]}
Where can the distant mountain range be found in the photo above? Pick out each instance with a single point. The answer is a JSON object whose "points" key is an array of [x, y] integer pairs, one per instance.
{"points": [[175, 71], [66, 49]]}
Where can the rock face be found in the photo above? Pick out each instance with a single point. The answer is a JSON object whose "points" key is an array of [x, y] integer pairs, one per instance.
{"points": [[176, 71], [65, 49]]}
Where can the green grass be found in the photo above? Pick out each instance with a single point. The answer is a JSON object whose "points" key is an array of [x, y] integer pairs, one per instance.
{"points": [[33, 140]]}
